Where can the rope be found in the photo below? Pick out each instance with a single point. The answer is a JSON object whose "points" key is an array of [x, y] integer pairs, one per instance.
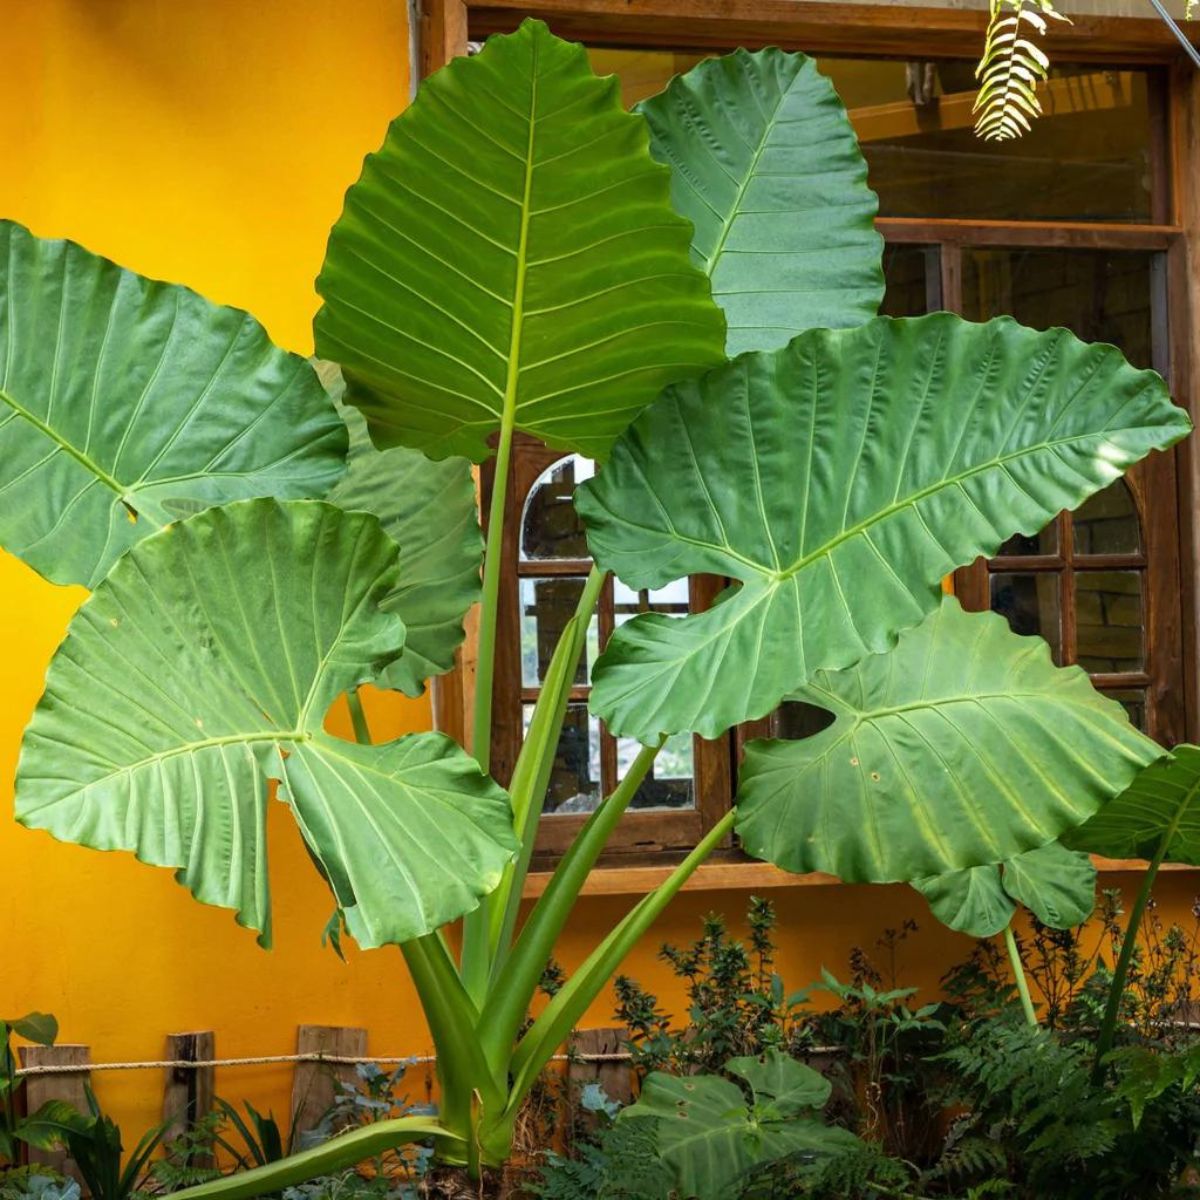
{"points": [[261, 1059]]}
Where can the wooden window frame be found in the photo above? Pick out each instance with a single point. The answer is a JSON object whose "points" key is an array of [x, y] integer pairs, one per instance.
{"points": [[925, 33]]}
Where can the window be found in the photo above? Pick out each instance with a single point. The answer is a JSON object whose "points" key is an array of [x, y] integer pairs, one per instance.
{"points": [[1073, 225]]}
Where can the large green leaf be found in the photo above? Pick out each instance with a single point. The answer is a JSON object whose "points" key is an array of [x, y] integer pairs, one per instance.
{"points": [[201, 669], [1057, 885], [428, 508], [126, 403], [839, 479], [709, 1134], [765, 164], [510, 255], [963, 746], [1159, 811]]}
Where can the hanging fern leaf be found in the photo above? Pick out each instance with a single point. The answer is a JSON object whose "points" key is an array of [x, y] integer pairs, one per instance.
{"points": [[1012, 66]]}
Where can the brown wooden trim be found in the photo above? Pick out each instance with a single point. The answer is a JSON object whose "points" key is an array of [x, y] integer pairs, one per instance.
{"points": [[1017, 234], [1183, 305], [442, 32], [861, 29], [723, 876]]}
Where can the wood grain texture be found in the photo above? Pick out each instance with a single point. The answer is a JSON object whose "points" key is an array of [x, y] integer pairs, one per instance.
{"points": [[66, 1086]]}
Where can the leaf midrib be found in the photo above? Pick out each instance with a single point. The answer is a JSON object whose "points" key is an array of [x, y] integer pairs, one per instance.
{"points": [[84, 460]]}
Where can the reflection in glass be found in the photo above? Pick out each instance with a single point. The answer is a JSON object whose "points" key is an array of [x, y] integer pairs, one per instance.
{"points": [[1108, 522], [1045, 542], [912, 285], [550, 527], [672, 600], [796, 719], [1109, 635], [547, 604], [575, 776], [1030, 604], [1100, 295], [1133, 700], [669, 784], [1086, 159]]}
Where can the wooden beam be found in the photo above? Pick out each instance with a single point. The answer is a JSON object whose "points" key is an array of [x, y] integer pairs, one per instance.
{"points": [[867, 29], [745, 876], [188, 1091], [67, 1086], [315, 1084]]}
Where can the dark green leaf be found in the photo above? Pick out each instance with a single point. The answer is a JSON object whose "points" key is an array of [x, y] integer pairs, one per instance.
{"points": [[838, 480], [765, 165], [963, 746], [510, 253], [126, 404], [202, 668]]}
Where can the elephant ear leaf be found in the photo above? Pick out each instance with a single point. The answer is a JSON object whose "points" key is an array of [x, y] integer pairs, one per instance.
{"points": [[838, 480], [963, 746], [970, 901], [211, 654], [710, 1136], [429, 509], [510, 259], [126, 404], [1057, 885], [1157, 817], [765, 164]]}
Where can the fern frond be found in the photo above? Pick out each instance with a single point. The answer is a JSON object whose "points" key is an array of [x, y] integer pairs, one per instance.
{"points": [[1011, 67]]}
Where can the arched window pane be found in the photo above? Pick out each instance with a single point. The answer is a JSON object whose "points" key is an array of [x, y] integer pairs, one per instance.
{"points": [[550, 526], [1108, 607], [1108, 522], [1031, 604]]}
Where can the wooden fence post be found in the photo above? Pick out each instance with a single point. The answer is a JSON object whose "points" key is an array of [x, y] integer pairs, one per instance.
{"points": [[61, 1085], [615, 1076], [314, 1084], [188, 1091]]}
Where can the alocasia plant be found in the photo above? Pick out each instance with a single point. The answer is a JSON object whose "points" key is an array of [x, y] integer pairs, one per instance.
{"points": [[523, 255]]}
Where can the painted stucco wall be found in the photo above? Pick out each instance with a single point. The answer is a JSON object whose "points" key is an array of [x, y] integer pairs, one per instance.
{"points": [[209, 142]]}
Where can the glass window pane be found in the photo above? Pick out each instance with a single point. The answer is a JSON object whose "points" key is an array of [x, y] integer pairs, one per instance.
{"points": [[1100, 295], [912, 284], [1108, 523], [550, 527], [1085, 159], [672, 600], [547, 604], [1020, 545], [1133, 700], [1030, 603], [670, 782], [1109, 634], [575, 777]]}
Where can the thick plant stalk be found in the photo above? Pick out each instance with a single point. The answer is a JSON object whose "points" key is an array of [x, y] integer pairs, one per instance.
{"points": [[538, 1046], [338, 1153], [476, 964], [517, 981], [1018, 970], [1116, 990], [531, 775], [358, 718]]}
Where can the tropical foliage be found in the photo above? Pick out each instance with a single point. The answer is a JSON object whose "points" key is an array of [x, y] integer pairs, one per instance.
{"points": [[524, 256]]}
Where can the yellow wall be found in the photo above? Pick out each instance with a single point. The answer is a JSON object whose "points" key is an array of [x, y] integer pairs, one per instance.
{"points": [[210, 141]]}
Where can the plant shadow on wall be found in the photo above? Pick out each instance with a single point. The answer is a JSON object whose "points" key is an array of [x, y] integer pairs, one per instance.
{"points": [[522, 255]]}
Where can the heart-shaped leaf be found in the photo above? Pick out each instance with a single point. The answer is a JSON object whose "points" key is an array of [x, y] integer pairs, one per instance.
{"points": [[710, 1136], [126, 404], [202, 668], [510, 257], [429, 509], [38, 1027], [839, 480], [1057, 885], [765, 164], [1159, 813], [964, 745]]}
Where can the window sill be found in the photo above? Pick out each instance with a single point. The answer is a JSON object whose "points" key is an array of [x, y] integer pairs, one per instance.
{"points": [[731, 876]]}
